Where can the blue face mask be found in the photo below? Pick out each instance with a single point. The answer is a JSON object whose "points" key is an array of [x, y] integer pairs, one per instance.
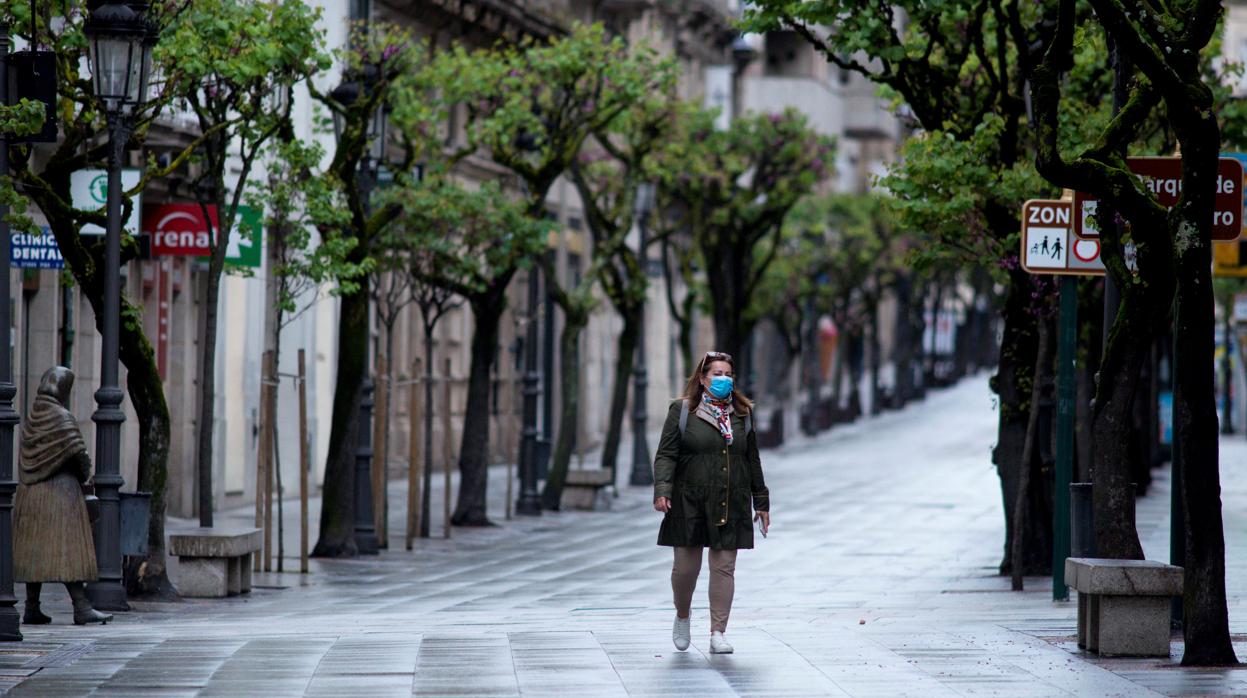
{"points": [[720, 387]]}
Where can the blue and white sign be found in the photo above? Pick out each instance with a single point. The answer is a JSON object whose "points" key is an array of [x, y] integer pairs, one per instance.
{"points": [[35, 251]]}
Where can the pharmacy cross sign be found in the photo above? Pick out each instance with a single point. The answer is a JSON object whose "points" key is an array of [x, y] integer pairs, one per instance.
{"points": [[1163, 178]]}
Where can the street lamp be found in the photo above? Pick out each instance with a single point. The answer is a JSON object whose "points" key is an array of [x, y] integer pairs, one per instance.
{"points": [[10, 622], [743, 53], [346, 95], [641, 472], [529, 502], [120, 44]]}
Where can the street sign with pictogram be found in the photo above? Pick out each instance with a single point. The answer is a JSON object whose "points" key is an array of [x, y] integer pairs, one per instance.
{"points": [[1162, 176], [1049, 245]]}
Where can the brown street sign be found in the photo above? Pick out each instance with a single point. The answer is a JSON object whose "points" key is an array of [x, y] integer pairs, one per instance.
{"points": [[1163, 177]]}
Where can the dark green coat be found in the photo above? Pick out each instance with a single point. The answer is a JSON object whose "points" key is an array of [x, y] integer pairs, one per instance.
{"points": [[714, 488]]}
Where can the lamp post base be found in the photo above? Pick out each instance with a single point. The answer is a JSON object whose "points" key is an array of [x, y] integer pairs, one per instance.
{"points": [[10, 624], [107, 595], [528, 505], [641, 477], [366, 542]]}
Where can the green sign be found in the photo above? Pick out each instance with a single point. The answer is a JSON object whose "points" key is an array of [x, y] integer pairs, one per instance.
{"points": [[246, 242]]}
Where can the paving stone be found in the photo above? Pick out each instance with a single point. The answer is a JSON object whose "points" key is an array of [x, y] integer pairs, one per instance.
{"points": [[878, 580]]}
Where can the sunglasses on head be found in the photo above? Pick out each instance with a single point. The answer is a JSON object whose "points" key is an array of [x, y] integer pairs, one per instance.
{"points": [[717, 356]]}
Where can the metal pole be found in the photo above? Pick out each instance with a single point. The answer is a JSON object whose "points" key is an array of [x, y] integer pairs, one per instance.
{"points": [[641, 473], [304, 461], [9, 620], [1067, 334], [365, 528], [108, 593], [1177, 522], [529, 503], [365, 531]]}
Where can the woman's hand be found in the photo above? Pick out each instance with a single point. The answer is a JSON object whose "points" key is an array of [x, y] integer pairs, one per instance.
{"points": [[765, 517], [662, 504]]}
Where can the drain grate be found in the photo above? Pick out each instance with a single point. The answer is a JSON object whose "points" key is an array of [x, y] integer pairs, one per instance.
{"points": [[62, 656]]}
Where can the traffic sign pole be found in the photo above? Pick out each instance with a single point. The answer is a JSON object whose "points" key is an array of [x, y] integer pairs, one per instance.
{"points": [[1067, 335]]}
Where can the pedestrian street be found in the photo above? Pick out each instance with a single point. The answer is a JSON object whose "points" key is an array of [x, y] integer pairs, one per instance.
{"points": [[878, 578]]}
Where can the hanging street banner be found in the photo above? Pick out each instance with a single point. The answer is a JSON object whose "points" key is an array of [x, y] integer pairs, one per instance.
{"points": [[88, 191], [1049, 245], [35, 251], [179, 230], [1163, 178]]}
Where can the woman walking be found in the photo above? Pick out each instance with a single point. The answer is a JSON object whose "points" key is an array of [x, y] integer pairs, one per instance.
{"points": [[708, 484]]}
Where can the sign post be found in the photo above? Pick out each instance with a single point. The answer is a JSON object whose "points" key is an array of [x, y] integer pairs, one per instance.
{"points": [[1049, 246]]}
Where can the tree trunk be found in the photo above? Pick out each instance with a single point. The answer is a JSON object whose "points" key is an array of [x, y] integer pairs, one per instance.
{"points": [[619, 391], [337, 515], [1012, 385], [487, 308], [1112, 425], [207, 386], [147, 576], [1206, 626], [727, 269], [903, 354], [569, 410], [876, 362], [1043, 368]]}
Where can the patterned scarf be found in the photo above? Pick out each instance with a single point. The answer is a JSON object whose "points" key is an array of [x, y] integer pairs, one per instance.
{"points": [[721, 410]]}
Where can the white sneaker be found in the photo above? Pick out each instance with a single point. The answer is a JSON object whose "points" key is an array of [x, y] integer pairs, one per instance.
{"points": [[719, 644], [680, 633]]}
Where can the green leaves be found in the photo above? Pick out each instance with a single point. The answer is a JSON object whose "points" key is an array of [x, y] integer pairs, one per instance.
{"points": [[941, 186], [742, 181], [463, 239]]}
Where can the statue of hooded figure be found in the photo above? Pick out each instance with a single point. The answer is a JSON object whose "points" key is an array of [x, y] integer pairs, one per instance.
{"points": [[51, 529]]}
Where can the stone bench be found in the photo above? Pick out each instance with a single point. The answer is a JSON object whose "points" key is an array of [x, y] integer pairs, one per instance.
{"points": [[214, 562], [586, 490], [1123, 605]]}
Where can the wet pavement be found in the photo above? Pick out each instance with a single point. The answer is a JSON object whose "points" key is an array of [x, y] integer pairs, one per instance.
{"points": [[878, 579]]}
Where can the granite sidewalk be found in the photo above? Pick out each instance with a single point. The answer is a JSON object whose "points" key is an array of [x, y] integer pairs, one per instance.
{"points": [[878, 579]]}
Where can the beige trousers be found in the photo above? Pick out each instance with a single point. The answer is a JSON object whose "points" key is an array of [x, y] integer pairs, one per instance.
{"points": [[722, 583]]}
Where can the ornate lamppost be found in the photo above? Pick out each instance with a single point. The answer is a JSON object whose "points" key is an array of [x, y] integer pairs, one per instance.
{"points": [[347, 94], [10, 621], [529, 502], [120, 60], [641, 471]]}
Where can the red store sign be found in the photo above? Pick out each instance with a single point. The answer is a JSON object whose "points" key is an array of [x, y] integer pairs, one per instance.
{"points": [[179, 229]]}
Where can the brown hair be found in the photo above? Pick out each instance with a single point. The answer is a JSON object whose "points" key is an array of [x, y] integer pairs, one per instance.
{"points": [[693, 389]]}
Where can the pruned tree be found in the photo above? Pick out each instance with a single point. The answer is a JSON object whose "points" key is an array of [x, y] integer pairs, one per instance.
{"points": [[374, 60], [731, 191], [544, 100], [956, 68], [609, 175], [1174, 260], [470, 243], [225, 61], [42, 177]]}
